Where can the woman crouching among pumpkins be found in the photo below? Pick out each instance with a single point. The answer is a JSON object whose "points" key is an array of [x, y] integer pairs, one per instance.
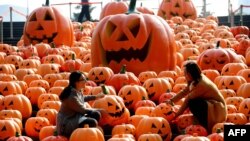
{"points": [[202, 97], [72, 113]]}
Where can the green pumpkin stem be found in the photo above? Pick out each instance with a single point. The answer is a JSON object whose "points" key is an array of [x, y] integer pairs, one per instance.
{"points": [[55, 133], [17, 134], [123, 69], [104, 89], [218, 130], [47, 3], [73, 56], [132, 6], [52, 44]]}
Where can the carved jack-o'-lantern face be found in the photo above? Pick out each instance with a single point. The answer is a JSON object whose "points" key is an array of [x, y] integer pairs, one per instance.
{"points": [[18, 102], [182, 8], [115, 110], [46, 97], [216, 58], [165, 110], [184, 121], [100, 74], [135, 41], [156, 125], [156, 86], [8, 128], [47, 24], [132, 94], [244, 107], [33, 125]]}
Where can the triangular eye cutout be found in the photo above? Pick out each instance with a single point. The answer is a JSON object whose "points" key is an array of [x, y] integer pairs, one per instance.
{"points": [[231, 83], [177, 5], [33, 17], [134, 27], [48, 17], [110, 28], [153, 125], [4, 128]]}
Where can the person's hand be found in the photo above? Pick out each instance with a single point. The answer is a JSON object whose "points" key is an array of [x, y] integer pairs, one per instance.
{"points": [[100, 95]]}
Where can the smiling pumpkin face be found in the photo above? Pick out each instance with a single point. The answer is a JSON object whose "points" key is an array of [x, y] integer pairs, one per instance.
{"points": [[114, 110], [182, 8], [33, 125], [140, 40], [157, 125], [47, 24]]}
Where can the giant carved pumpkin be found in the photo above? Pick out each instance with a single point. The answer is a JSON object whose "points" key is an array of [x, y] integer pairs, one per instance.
{"points": [[182, 8], [47, 24], [142, 40]]}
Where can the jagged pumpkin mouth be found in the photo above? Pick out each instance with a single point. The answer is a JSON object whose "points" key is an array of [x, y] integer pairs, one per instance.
{"points": [[117, 114], [45, 38], [128, 55]]}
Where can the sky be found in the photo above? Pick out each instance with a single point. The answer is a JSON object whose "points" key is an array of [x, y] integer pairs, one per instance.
{"points": [[217, 7]]}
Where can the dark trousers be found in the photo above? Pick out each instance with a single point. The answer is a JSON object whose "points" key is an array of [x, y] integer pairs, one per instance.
{"points": [[92, 119], [199, 109], [84, 12]]}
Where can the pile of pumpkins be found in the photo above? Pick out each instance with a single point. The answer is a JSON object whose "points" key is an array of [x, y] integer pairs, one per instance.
{"points": [[132, 55]]}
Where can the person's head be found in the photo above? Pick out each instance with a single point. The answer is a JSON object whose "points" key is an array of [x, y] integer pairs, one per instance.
{"points": [[192, 71], [77, 80]]}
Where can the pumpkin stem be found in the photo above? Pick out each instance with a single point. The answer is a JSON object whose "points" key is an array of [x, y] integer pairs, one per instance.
{"points": [[144, 98], [86, 126], [218, 44], [17, 134], [52, 44], [73, 57], [123, 69], [47, 3], [132, 6], [55, 133], [104, 89], [218, 130]]}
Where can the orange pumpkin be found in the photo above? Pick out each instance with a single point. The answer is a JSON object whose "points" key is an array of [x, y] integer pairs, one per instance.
{"points": [[131, 94], [140, 35], [157, 125], [47, 24], [19, 137], [8, 128], [171, 8], [114, 112], [33, 125], [216, 58], [87, 133], [123, 129], [114, 7], [18, 102]]}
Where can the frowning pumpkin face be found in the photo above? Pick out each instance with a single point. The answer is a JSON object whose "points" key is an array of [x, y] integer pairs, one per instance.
{"points": [[140, 40], [47, 24]]}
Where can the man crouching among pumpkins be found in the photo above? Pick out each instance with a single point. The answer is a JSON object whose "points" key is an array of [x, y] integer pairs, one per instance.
{"points": [[202, 97]]}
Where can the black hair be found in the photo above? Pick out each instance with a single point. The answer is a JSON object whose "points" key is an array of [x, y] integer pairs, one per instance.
{"points": [[194, 70], [73, 78]]}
